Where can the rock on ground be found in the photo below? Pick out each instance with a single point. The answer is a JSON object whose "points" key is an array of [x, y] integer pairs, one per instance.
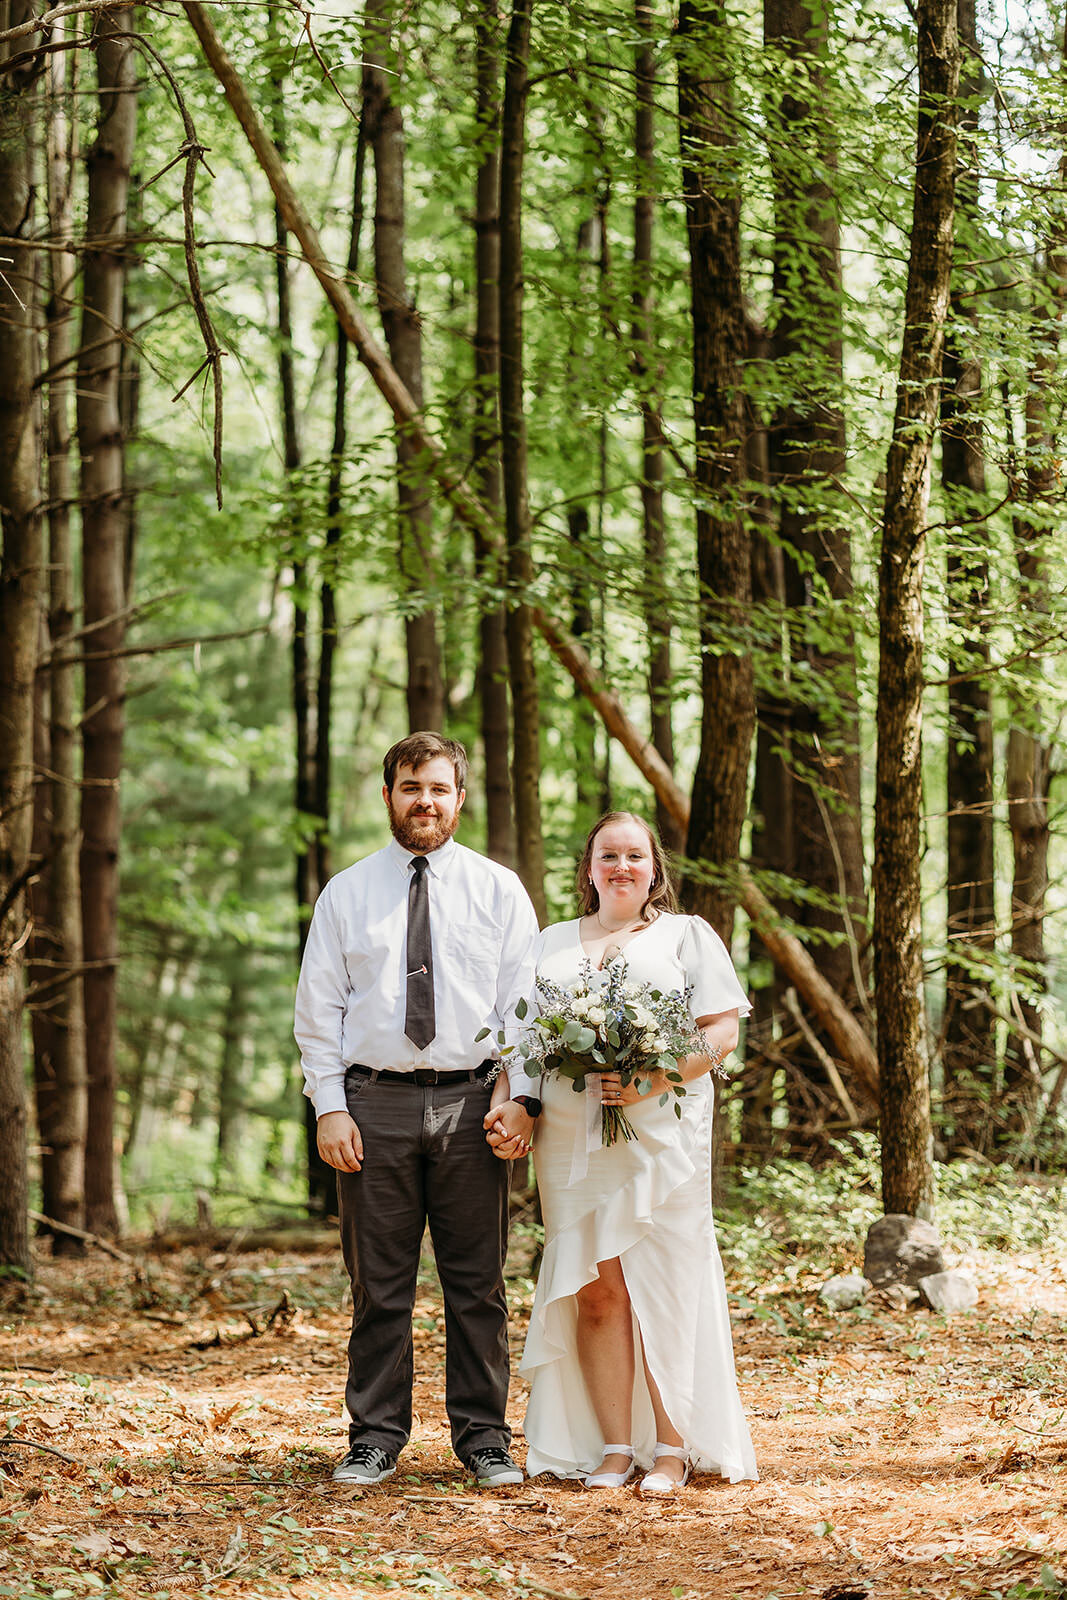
{"points": [[901, 1249], [949, 1291], [844, 1291]]}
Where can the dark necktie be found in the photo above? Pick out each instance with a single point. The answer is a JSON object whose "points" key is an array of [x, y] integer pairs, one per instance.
{"points": [[420, 1022]]}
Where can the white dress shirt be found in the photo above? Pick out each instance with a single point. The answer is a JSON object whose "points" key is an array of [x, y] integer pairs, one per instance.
{"points": [[352, 995]]}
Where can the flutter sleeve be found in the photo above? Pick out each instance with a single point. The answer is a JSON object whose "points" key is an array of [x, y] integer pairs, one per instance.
{"points": [[707, 966]]}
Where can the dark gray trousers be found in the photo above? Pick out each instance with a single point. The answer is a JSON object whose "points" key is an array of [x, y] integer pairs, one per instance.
{"points": [[425, 1159]]}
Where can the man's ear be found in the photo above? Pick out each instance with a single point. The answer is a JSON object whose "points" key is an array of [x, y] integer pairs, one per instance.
{"points": [[462, 797], [385, 795]]}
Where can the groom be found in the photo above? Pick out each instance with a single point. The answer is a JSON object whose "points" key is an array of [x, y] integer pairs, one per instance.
{"points": [[412, 952]]}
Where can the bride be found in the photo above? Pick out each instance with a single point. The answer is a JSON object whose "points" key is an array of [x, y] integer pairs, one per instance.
{"points": [[629, 1353]]}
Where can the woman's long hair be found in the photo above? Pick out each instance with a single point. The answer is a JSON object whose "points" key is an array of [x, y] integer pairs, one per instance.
{"points": [[661, 896]]}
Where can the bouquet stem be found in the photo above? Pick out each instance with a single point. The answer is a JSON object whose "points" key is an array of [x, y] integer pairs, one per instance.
{"points": [[615, 1125]]}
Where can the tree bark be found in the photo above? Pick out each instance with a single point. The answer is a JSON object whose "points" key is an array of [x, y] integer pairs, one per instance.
{"points": [[807, 459], [104, 527], [384, 121], [657, 585], [713, 219], [59, 1013], [21, 584], [492, 618], [526, 758], [1029, 749], [907, 1138], [968, 1048]]}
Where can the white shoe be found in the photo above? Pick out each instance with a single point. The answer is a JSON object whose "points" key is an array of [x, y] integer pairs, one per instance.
{"points": [[658, 1482], [612, 1480]]}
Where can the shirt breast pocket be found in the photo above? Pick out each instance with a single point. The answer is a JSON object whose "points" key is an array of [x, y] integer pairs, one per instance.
{"points": [[474, 954]]}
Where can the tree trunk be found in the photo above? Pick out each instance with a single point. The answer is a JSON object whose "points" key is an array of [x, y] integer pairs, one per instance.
{"points": [[104, 527], [1029, 751], [21, 584], [526, 761], [807, 465], [713, 218], [657, 585], [384, 121], [907, 1139], [968, 1049], [59, 1014], [492, 618]]}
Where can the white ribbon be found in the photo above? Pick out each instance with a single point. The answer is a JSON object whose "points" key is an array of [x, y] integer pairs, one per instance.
{"points": [[588, 1130]]}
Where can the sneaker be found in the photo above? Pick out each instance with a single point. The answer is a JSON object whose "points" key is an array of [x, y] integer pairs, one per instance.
{"points": [[365, 1463], [493, 1467]]}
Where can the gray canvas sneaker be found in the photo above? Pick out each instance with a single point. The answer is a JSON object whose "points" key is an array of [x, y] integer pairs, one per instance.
{"points": [[365, 1463]]}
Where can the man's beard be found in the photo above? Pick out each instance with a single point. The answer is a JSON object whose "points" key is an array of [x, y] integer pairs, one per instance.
{"points": [[421, 840]]}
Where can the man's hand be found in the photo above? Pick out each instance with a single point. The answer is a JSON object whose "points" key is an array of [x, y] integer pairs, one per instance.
{"points": [[508, 1130], [340, 1142]]}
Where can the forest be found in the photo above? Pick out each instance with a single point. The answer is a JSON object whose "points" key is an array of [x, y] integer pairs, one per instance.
{"points": [[668, 401]]}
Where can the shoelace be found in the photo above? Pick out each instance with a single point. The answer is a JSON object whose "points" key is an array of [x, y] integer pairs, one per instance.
{"points": [[368, 1455], [493, 1456]]}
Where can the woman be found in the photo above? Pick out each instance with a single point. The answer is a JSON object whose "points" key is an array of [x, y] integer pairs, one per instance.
{"points": [[628, 1351]]}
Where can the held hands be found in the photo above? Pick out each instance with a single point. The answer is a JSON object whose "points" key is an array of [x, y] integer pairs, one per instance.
{"points": [[508, 1130], [340, 1142]]}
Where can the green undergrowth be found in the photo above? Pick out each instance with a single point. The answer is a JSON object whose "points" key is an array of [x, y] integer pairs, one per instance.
{"points": [[788, 1212]]}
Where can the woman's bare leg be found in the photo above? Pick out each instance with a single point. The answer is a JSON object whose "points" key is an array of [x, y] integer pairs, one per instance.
{"points": [[666, 1433], [606, 1355]]}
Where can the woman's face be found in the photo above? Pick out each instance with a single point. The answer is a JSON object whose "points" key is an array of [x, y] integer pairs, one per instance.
{"points": [[622, 867]]}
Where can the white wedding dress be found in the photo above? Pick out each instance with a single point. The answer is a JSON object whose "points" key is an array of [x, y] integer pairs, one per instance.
{"points": [[648, 1202]]}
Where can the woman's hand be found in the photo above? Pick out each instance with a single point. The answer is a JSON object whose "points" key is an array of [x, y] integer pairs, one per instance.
{"points": [[615, 1093]]}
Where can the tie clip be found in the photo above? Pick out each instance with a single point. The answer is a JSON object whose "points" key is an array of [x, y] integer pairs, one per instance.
{"points": [[414, 973]]}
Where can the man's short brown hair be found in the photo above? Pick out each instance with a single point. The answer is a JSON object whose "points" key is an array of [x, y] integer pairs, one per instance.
{"points": [[418, 748]]}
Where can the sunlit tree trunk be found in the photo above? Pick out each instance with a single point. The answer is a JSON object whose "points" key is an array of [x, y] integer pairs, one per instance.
{"points": [[526, 762], [104, 568], [59, 1015], [657, 586], [907, 1139], [713, 217], [1029, 747], [968, 1049], [492, 618], [384, 121]]}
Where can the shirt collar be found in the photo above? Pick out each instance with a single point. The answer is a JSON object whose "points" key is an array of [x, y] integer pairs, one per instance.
{"points": [[438, 860]]}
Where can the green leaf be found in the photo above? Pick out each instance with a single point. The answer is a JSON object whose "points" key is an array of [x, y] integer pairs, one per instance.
{"points": [[522, 1010]]}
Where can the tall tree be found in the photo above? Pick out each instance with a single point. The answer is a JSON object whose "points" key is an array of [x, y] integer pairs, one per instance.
{"points": [[526, 721], [59, 1013], [807, 461], [1029, 746], [21, 581], [904, 1085], [969, 1032], [657, 582], [492, 616], [384, 119], [104, 567], [713, 219]]}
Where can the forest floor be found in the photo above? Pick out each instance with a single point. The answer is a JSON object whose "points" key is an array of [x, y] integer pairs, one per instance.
{"points": [[197, 1397]]}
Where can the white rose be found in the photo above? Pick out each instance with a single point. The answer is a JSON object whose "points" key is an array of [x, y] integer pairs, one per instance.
{"points": [[649, 1043], [580, 1007], [596, 1016], [643, 1017]]}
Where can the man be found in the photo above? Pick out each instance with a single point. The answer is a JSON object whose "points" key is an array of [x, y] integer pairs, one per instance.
{"points": [[412, 952]]}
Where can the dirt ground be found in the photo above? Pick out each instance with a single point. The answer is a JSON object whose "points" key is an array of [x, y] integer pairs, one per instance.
{"points": [[190, 1406]]}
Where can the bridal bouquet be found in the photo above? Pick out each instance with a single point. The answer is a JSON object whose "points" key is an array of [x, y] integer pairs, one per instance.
{"points": [[608, 1023]]}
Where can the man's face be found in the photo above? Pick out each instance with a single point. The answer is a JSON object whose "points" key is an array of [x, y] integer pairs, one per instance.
{"points": [[424, 805]]}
